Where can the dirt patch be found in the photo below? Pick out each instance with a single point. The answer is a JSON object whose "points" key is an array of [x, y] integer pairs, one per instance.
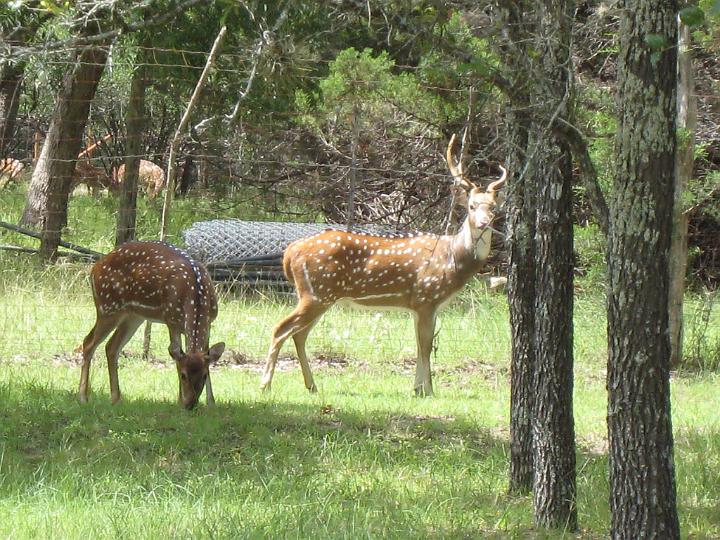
{"points": [[484, 370], [237, 360]]}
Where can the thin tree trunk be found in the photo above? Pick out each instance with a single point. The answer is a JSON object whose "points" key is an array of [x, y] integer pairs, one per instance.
{"points": [[554, 485], [686, 123], [49, 189], [10, 79], [180, 132], [135, 121], [642, 472], [520, 219], [517, 23]]}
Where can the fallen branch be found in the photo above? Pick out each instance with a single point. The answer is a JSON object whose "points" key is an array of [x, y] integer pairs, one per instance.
{"points": [[69, 245]]}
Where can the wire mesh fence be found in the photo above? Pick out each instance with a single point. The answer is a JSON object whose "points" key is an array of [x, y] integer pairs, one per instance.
{"points": [[284, 141]]}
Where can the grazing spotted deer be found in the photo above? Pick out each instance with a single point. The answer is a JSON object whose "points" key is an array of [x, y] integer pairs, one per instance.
{"points": [[157, 282], [149, 175], [419, 274]]}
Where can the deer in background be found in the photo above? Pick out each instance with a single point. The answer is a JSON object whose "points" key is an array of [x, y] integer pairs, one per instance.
{"points": [[157, 282], [419, 274], [149, 175], [95, 178], [10, 169]]}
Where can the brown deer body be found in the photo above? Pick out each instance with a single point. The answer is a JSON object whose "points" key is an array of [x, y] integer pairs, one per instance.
{"points": [[157, 282], [10, 168], [419, 274], [149, 175], [92, 177]]}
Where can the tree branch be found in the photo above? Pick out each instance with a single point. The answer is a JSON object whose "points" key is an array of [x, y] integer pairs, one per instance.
{"points": [[579, 148]]}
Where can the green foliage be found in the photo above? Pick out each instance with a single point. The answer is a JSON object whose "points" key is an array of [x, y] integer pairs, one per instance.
{"points": [[364, 87], [701, 351], [590, 247], [692, 15]]}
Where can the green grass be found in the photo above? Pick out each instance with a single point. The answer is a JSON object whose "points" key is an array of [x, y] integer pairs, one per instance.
{"points": [[362, 458]]}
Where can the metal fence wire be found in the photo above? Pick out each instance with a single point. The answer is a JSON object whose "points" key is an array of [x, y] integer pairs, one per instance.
{"points": [[231, 241], [251, 252], [228, 241]]}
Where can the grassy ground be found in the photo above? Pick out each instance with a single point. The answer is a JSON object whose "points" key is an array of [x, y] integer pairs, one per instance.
{"points": [[360, 459]]}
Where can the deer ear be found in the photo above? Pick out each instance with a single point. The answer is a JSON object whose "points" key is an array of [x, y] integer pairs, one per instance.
{"points": [[215, 352], [176, 353]]}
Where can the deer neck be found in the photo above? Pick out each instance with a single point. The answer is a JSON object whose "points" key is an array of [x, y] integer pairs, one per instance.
{"points": [[196, 330], [197, 311], [472, 244]]}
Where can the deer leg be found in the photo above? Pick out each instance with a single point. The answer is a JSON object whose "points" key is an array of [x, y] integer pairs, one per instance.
{"points": [[424, 331], [300, 338], [209, 396], [101, 330], [126, 329], [208, 390], [175, 344], [302, 318]]}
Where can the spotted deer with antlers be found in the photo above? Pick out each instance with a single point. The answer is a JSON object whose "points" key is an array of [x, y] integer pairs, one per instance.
{"points": [[419, 274], [157, 282]]}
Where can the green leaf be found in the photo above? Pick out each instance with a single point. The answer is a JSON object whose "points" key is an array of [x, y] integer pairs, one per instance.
{"points": [[657, 42], [692, 15]]}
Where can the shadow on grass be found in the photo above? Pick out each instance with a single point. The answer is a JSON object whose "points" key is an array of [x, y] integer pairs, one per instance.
{"points": [[325, 463], [389, 474]]}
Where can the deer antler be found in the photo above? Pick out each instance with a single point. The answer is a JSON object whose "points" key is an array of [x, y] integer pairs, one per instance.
{"points": [[497, 183], [457, 169], [90, 149]]}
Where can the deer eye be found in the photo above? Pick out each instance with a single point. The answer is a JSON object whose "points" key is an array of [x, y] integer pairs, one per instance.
{"points": [[183, 376]]}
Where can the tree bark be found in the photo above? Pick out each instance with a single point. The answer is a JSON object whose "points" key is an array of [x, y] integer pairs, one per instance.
{"points": [[135, 120], [581, 156], [554, 486], [47, 202], [10, 79], [686, 123], [520, 222], [642, 474], [520, 218]]}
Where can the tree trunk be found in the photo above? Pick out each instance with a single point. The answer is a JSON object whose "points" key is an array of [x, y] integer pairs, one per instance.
{"points": [[135, 120], [521, 299], [10, 79], [520, 222], [642, 475], [686, 122], [49, 189], [554, 486]]}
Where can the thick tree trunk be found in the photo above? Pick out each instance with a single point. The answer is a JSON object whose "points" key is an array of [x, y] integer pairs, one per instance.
{"points": [[554, 486], [49, 189], [686, 123], [642, 475], [135, 120]]}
